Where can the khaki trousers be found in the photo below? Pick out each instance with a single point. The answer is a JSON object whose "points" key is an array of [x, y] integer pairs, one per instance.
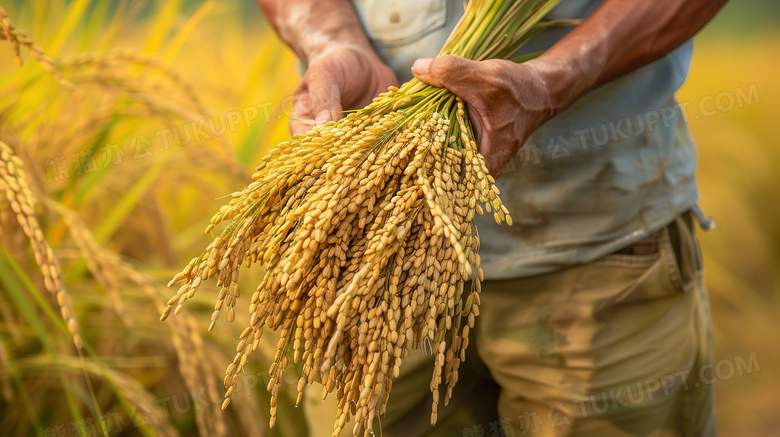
{"points": [[608, 349]]}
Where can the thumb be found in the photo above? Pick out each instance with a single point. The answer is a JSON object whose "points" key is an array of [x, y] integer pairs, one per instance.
{"points": [[324, 99], [447, 71], [316, 101]]}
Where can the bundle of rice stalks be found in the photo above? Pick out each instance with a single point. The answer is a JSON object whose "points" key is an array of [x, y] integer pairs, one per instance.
{"points": [[365, 226]]}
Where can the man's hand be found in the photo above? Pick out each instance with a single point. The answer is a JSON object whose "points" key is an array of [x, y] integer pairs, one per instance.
{"points": [[507, 102], [344, 76], [343, 72]]}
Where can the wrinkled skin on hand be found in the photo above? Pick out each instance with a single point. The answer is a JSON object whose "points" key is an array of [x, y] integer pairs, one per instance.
{"points": [[507, 102], [344, 76]]}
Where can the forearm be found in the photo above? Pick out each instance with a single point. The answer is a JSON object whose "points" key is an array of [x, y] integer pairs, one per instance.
{"points": [[309, 27], [619, 37]]}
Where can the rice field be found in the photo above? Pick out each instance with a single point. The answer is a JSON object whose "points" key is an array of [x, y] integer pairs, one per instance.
{"points": [[129, 122]]}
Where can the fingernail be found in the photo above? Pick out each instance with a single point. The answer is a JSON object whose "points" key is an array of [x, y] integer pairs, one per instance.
{"points": [[322, 118], [421, 66]]}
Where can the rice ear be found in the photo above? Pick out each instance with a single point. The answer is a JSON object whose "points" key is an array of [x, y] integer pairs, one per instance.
{"points": [[14, 185], [18, 37]]}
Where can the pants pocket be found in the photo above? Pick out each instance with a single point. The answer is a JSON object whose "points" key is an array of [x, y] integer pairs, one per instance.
{"points": [[670, 272]]}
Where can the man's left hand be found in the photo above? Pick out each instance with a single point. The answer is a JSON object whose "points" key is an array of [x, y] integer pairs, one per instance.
{"points": [[506, 101]]}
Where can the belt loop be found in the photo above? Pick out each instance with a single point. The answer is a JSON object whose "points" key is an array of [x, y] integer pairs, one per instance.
{"points": [[688, 262], [680, 252]]}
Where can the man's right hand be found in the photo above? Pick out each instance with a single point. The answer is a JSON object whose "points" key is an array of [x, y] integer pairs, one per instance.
{"points": [[342, 76]]}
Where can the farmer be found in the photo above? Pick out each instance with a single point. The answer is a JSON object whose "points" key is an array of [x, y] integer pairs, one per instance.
{"points": [[594, 319]]}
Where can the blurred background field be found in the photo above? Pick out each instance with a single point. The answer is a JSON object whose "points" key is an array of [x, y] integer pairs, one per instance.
{"points": [[173, 104]]}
